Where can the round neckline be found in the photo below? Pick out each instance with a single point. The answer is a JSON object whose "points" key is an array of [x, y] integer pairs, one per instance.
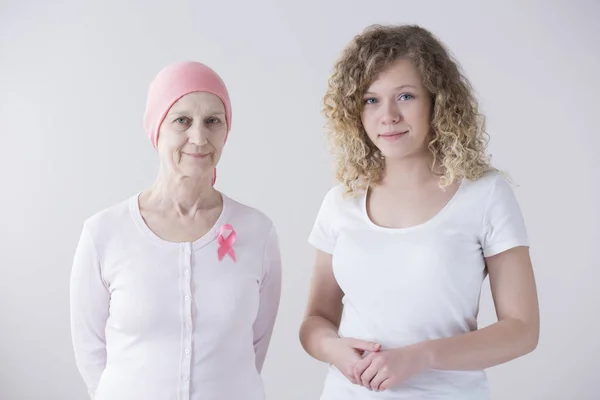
{"points": [[134, 206], [437, 216]]}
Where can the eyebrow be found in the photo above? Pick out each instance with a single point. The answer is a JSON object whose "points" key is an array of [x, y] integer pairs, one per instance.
{"points": [[397, 88]]}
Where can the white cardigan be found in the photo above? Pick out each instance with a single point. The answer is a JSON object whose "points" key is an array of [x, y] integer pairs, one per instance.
{"points": [[157, 320]]}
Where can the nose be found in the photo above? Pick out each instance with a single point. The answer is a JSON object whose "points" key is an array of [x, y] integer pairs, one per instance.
{"points": [[198, 134], [391, 113]]}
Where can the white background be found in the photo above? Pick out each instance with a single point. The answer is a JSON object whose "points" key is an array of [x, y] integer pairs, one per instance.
{"points": [[73, 81]]}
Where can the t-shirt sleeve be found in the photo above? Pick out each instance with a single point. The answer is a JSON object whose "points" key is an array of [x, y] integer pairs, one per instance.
{"points": [[503, 222], [324, 232]]}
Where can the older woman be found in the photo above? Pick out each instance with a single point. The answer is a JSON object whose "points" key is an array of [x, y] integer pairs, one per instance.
{"points": [[175, 291]]}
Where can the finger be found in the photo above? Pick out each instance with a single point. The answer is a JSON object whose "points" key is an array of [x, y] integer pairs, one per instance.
{"points": [[375, 383], [364, 345], [386, 384], [360, 367], [349, 370], [351, 378], [368, 375]]}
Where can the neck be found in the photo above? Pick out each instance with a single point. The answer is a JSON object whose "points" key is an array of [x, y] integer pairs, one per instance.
{"points": [[183, 195], [409, 172]]}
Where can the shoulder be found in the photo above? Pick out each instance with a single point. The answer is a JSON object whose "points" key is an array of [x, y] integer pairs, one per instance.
{"points": [[498, 187], [244, 216], [109, 219], [498, 200], [491, 185], [488, 182], [338, 206], [338, 198]]}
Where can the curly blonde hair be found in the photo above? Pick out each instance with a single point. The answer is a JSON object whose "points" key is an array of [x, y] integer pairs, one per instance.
{"points": [[458, 138]]}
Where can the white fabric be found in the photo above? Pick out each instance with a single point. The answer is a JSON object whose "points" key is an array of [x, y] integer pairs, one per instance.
{"points": [[157, 320], [404, 286]]}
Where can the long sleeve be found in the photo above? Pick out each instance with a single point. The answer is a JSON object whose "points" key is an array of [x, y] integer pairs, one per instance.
{"points": [[270, 293], [89, 308]]}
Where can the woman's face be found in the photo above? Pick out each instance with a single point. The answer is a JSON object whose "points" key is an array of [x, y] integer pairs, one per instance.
{"points": [[397, 112], [192, 135]]}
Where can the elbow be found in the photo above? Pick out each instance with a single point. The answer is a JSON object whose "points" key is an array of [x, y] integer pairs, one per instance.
{"points": [[305, 325], [523, 336], [531, 336], [304, 332], [533, 340]]}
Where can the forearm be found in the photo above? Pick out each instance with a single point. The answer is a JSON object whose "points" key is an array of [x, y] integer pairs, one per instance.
{"points": [[315, 332], [263, 331], [490, 346]]}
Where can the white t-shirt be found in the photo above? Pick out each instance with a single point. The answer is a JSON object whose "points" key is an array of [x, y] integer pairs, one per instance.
{"points": [[404, 286], [159, 320]]}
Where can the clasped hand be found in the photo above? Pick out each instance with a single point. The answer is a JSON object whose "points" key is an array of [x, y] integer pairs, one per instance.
{"points": [[379, 369]]}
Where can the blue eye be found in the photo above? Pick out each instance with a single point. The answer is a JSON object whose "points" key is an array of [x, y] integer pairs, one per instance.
{"points": [[370, 100], [213, 120], [406, 96]]}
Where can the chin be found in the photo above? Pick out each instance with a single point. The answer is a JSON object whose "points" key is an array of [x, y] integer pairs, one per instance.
{"points": [[396, 154]]}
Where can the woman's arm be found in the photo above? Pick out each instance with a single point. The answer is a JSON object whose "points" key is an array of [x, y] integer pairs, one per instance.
{"points": [[270, 294], [319, 331], [504, 244], [515, 334], [89, 311], [324, 309]]}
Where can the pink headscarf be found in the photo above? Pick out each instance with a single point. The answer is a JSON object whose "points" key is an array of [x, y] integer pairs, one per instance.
{"points": [[174, 82]]}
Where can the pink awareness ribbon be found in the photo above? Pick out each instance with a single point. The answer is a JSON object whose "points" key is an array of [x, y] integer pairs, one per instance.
{"points": [[226, 243]]}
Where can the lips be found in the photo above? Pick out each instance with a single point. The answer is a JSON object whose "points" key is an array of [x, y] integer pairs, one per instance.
{"points": [[393, 135], [197, 155]]}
